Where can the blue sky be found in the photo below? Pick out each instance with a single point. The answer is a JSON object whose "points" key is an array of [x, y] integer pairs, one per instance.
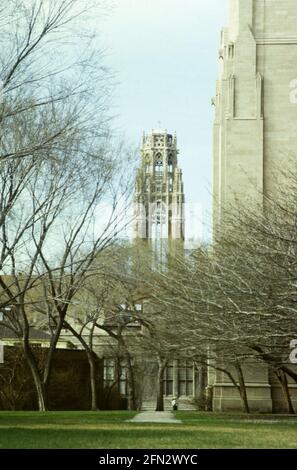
{"points": [[165, 53]]}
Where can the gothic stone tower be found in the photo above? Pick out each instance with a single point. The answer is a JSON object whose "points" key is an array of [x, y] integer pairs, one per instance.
{"points": [[159, 200], [159, 192], [254, 136], [256, 102]]}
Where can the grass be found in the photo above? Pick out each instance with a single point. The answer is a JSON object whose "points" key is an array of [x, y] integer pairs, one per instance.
{"points": [[110, 430]]}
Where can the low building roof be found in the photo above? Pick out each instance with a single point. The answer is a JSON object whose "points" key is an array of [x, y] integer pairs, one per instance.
{"points": [[7, 333]]}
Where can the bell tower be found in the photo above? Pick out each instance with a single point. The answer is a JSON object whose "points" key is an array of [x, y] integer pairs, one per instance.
{"points": [[159, 193]]}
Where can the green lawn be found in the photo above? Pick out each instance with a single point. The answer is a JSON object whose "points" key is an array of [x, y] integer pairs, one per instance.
{"points": [[111, 430]]}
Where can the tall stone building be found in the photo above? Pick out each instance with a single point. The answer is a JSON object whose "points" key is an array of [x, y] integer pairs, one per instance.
{"points": [[159, 206], [256, 101], [159, 192], [254, 137]]}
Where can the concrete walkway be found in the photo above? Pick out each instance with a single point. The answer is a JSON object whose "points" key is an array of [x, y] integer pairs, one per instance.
{"points": [[155, 417]]}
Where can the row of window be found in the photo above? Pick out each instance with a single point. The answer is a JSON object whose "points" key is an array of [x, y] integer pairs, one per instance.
{"points": [[116, 371], [184, 378], [159, 187], [159, 167], [159, 141]]}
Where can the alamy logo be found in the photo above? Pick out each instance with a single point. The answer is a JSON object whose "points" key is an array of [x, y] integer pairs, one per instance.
{"points": [[293, 355], [293, 92]]}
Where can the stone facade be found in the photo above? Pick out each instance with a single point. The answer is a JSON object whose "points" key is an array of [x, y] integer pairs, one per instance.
{"points": [[258, 387], [256, 101], [254, 138]]}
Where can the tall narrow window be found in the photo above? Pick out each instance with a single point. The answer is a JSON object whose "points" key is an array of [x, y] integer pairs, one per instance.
{"points": [[168, 379], [159, 166], [185, 378], [115, 371], [109, 371], [123, 378]]}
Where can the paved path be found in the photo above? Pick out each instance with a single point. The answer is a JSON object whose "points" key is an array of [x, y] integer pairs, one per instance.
{"points": [[155, 417]]}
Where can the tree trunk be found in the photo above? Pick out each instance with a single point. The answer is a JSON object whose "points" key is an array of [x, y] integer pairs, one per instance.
{"points": [[201, 386], [242, 388], [284, 383], [31, 359], [132, 405], [39, 386], [289, 372], [160, 384], [50, 355], [92, 365], [93, 381]]}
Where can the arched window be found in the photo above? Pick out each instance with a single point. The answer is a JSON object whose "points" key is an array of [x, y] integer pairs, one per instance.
{"points": [[170, 166], [158, 166]]}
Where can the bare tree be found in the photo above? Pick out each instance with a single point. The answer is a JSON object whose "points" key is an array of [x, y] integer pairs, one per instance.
{"points": [[59, 169], [15, 382], [238, 297], [108, 324], [46, 77], [51, 277]]}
